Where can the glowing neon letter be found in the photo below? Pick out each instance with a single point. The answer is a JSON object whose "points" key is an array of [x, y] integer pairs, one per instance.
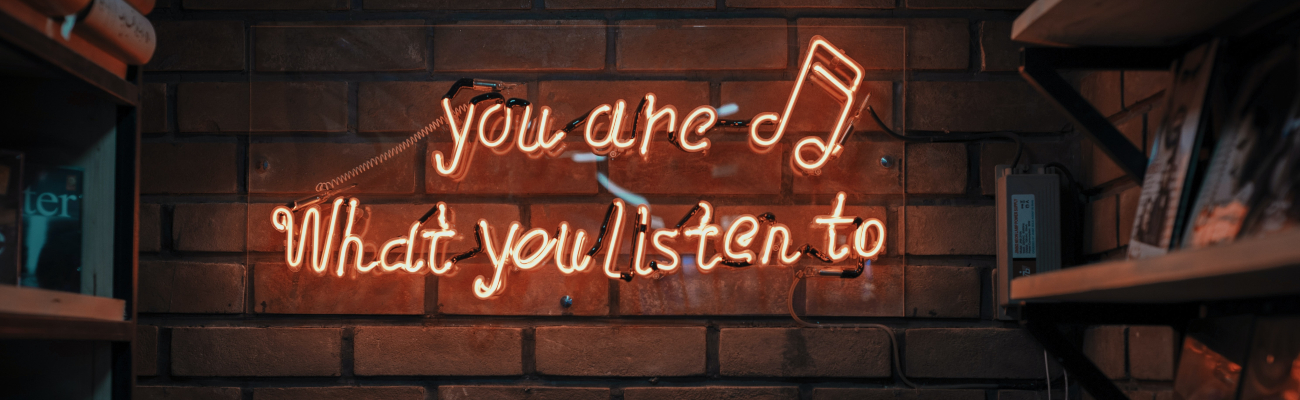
{"points": [[784, 257], [614, 239], [539, 256], [652, 117], [499, 260], [443, 231], [353, 241], [834, 250], [704, 230], [483, 131], [459, 134], [638, 259], [657, 239], [744, 240], [845, 93], [579, 242], [860, 238], [711, 117]]}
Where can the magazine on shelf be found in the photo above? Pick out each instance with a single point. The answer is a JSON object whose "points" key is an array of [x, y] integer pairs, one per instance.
{"points": [[52, 228]]}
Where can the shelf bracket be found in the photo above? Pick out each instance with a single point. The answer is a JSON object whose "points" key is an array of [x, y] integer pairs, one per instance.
{"points": [[1039, 67]]}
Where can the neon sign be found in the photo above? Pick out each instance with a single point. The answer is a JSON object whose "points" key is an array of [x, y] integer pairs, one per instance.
{"points": [[652, 251]]}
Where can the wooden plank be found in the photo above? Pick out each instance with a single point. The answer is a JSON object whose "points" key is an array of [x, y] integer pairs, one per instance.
{"points": [[20, 27], [34, 301], [1252, 268], [17, 326], [1121, 22]]}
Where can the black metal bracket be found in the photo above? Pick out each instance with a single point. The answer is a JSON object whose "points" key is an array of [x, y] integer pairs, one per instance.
{"points": [[1039, 67]]}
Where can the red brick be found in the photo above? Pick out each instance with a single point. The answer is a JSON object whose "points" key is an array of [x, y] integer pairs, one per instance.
{"points": [[1154, 118], [620, 351], [879, 292], [150, 228], [944, 230], [513, 173], [942, 292], [209, 227], [1151, 351], [449, 351], [387, 221], [410, 106], [457, 392], [683, 45], [531, 292], [799, 352], [989, 353], [525, 45], [810, 4], [446, 4], [1102, 89], [985, 4], [629, 4], [1023, 395], [1101, 230], [1128, 200], [153, 108], [1143, 85], [212, 106], [256, 351], [298, 167], [726, 168], [265, 5], [936, 168], [145, 360], [392, 45], [191, 287], [1101, 168], [299, 107], [815, 112], [188, 168], [712, 392], [186, 393], [946, 42], [995, 153], [886, 394], [340, 393], [1104, 345], [997, 51], [279, 290], [198, 46], [569, 99], [980, 107], [858, 170]]}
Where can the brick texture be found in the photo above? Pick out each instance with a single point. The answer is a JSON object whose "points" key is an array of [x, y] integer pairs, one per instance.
{"points": [[298, 167], [677, 45], [877, 293], [727, 168], [279, 290], [262, 107], [453, 351], [996, 153], [1143, 85], [1105, 346], [520, 45], [153, 108], [942, 292], [1100, 231], [446, 5], [256, 351], [980, 107], [882, 43], [341, 393], [937, 230], [340, 46], [997, 51], [146, 350], [150, 228], [457, 392], [858, 171], [264, 5], [387, 221], [712, 392], [198, 46], [972, 353], [787, 352], [410, 106], [1128, 200], [209, 227], [1101, 168], [212, 107], [191, 287], [1103, 90], [620, 351], [511, 173], [186, 393], [938, 168], [810, 4], [815, 111], [533, 292], [985, 4], [1151, 352], [884, 394], [188, 168], [627, 4]]}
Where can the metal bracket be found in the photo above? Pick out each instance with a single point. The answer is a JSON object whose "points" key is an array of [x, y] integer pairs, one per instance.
{"points": [[1039, 67]]}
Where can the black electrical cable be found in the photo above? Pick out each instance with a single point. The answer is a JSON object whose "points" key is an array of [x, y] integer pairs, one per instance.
{"points": [[972, 137]]}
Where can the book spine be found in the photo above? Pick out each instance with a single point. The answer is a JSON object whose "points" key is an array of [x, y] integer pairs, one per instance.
{"points": [[120, 30]]}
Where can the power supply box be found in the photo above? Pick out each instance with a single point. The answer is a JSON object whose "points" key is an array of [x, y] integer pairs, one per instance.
{"points": [[1029, 228]]}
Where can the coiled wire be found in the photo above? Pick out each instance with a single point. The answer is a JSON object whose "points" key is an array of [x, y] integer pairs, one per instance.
{"points": [[398, 149]]}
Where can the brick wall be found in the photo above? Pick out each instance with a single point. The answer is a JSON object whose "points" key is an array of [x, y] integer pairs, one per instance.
{"points": [[247, 102]]}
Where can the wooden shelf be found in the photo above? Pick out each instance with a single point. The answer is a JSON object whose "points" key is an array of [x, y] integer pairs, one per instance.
{"points": [[53, 303], [18, 326], [1132, 23], [51, 55], [1253, 268]]}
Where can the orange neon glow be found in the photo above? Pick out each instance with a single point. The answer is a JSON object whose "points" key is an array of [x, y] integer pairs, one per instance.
{"points": [[459, 135], [784, 257], [743, 240], [830, 146], [657, 239], [351, 241], [499, 259], [407, 241], [860, 238], [613, 240], [834, 250], [611, 140], [579, 242], [539, 254], [638, 259], [483, 130], [444, 231], [704, 231], [652, 118], [282, 219], [711, 117], [540, 142], [760, 119]]}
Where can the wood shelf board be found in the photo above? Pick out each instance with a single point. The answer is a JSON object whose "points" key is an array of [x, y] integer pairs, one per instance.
{"points": [[53, 303], [1135, 23], [61, 58], [18, 326], [1251, 268]]}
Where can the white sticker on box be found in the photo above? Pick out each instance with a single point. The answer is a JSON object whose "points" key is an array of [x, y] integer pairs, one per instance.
{"points": [[1023, 236]]}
